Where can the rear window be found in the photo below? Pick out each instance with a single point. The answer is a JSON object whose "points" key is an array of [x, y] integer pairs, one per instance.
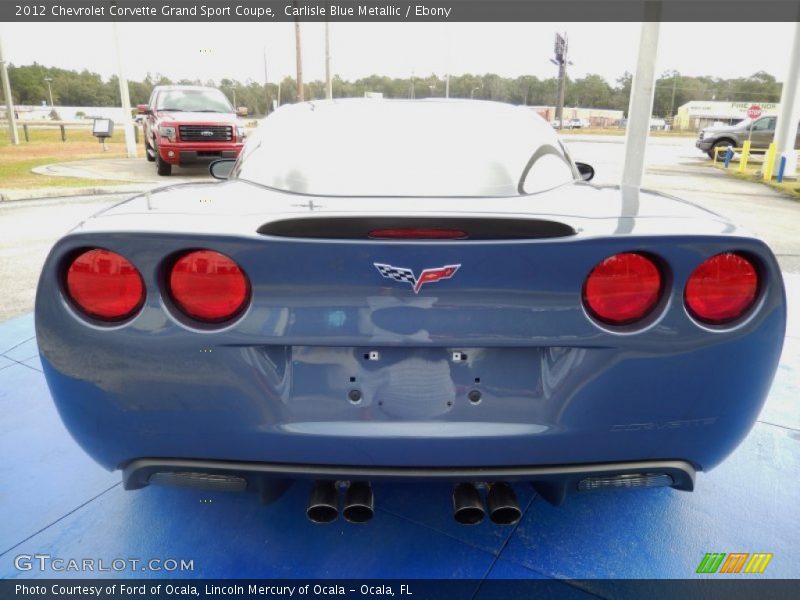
{"points": [[405, 148], [193, 101]]}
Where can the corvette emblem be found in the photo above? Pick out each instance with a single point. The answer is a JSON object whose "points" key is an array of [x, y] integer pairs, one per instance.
{"points": [[407, 275]]}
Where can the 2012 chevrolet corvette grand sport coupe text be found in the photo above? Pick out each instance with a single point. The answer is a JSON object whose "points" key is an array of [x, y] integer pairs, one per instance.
{"points": [[420, 290]]}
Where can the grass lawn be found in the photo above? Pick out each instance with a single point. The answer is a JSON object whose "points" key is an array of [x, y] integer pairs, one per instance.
{"points": [[45, 147]]}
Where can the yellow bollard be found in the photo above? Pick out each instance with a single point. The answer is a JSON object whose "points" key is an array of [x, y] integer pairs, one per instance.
{"points": [[769, 162], [745, 156]]}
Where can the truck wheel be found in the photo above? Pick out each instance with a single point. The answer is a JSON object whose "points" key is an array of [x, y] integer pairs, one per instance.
{"points": [[162, 166], [720, 144], [149, 153]]}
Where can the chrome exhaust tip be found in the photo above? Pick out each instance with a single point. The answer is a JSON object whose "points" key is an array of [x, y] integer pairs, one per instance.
{"points": [[467, 504], [323, 504], [359, 502], [502, 504]]}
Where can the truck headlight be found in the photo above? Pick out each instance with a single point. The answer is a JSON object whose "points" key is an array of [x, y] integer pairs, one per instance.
{"points": [[167, 131], [240, 135]]}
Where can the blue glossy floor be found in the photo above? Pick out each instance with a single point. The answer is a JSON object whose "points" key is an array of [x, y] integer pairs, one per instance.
{"points": [[54, 500]]}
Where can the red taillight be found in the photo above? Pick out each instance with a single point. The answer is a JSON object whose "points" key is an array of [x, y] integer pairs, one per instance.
{"points": [[105, 285], [208, 286], [417, 233], [722, 288], [623, 288]]}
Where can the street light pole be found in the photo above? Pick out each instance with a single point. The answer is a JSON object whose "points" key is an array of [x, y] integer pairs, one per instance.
{"points": [[560, 60], [50, 90], [640, 107], [12, 121], [127, 121], [298, 56], [786, 126], [328, 81]]}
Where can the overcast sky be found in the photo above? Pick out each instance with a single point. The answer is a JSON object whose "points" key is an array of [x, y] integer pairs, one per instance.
{"points": [[235, 50]]}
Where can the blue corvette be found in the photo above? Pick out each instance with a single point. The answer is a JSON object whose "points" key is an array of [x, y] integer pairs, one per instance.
{"points": [[408, 290]]}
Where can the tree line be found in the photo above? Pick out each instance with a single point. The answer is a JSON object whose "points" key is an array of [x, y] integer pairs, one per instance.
{"points": [[84, 88]]}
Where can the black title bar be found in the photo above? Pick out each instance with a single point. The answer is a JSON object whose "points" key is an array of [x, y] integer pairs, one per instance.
{"points": [[366, 11]]}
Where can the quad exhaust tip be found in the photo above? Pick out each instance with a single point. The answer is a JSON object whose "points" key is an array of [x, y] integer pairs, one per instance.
{"points": [[359, 503], [323, 503], [467, 504], [502, 504], [501, 501]]}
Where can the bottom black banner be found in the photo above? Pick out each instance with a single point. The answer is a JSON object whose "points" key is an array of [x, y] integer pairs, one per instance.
{"points": [[252, 589]]}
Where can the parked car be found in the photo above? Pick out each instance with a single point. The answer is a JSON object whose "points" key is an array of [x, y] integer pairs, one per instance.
{"points": [[347, 307], [760, 132], [189, 124], [577, 124]]}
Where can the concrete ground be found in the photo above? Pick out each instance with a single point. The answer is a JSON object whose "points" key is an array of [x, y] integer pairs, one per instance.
{"points": [[675, 166], [123, 169]]}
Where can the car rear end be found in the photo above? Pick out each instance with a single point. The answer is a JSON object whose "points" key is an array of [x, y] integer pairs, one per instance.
{"points": [[572, 352]]}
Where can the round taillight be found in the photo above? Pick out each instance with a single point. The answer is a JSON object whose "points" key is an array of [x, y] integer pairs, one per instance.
{"points": [[722, 289], [208, 286], [105, 285], [622, 289]]}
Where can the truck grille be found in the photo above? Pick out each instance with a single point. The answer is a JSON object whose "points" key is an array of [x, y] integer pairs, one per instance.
{"points": [[206, 133]]}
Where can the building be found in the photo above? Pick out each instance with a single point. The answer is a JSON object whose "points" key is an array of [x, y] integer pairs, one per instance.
{"points": [[597, 117], [697, 114]]}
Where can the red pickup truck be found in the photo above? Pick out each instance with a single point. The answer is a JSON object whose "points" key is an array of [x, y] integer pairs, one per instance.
{"points": [[186, 124]]}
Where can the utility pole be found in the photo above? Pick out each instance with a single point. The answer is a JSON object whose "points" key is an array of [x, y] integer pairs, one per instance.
{"points": [[47, 80], [298, 55], [328, 81], [672, 100], [266, 84], [560, 59], [447, 85], [12, 121], [127, 121]]}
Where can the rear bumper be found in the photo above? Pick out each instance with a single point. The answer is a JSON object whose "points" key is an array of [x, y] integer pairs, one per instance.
{"points": [[553, 482], [275, 387]]}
